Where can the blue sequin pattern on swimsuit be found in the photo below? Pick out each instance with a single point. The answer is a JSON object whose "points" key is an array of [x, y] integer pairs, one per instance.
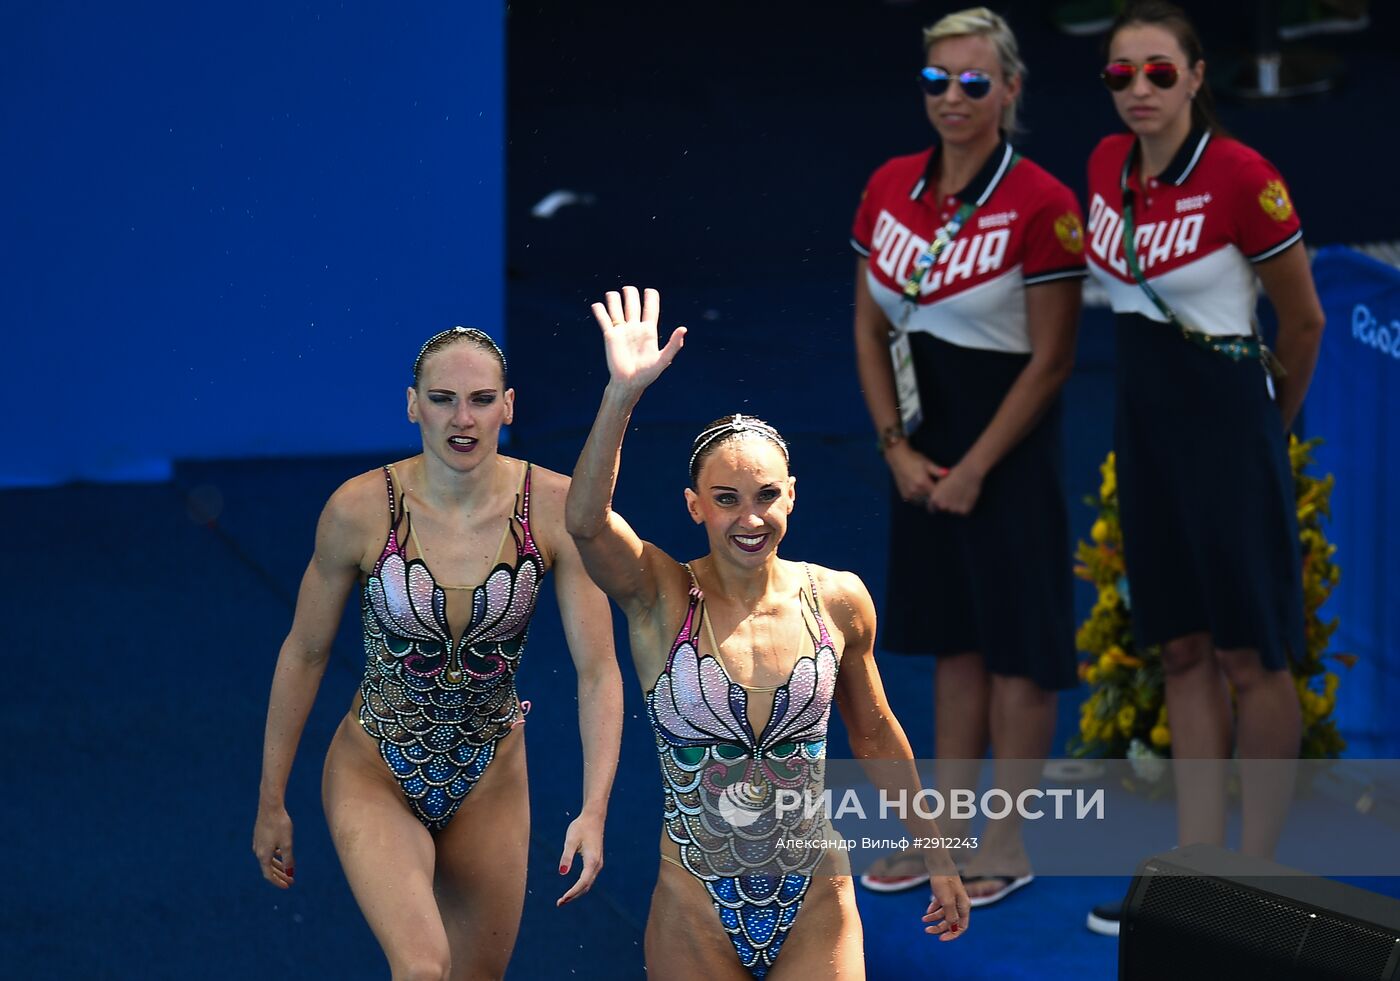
{"points": [[721, 780], [437, 708]]}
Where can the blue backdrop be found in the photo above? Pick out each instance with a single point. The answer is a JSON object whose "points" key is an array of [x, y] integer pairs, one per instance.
{"points": [[1354, 405], [229, 226]]}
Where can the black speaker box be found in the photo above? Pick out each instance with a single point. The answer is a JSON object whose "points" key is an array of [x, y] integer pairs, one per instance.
{"points": [[1200, 913]]}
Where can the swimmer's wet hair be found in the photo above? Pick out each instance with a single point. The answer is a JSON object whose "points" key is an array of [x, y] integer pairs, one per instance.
{"points": [[724, 429], [448, 337]]}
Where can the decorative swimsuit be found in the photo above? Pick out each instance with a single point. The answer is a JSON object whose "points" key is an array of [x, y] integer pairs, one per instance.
{"points": [[437, 708], [721, 782]]}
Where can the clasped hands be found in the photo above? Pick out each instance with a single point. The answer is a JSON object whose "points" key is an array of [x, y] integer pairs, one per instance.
{"points": [[923, 482]]}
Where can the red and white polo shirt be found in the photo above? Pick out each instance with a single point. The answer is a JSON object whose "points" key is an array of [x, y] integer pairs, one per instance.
{"points": [[1026, 230], [1217, 208]]}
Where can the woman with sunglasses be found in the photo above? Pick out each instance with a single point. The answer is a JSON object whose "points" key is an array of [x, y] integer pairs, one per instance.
{"points": [[1204, 484], [969, 271], [424, 783]]}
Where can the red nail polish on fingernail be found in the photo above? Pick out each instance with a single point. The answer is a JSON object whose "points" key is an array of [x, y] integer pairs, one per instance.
{"points": [[563, 870]]}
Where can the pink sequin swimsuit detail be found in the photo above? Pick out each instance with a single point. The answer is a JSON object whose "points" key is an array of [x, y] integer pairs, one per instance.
{"points": [[438, 709]]}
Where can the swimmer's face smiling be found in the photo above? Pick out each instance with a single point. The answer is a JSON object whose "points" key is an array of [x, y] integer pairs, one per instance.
{"points": [[743, 498], [459, 406]]}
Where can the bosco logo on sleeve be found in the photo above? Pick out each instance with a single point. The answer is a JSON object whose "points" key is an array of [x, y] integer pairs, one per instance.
{"points": [[1274, 200], [1070, 232]]}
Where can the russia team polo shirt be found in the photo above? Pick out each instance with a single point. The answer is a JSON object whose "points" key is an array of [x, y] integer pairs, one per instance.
{"points": [[1217, 208], [1026, 230]]}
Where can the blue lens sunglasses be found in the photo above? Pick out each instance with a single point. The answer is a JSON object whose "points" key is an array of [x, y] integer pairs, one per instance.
{"points": [[974, 84]]}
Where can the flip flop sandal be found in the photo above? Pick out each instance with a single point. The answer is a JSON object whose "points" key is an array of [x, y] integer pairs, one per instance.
{"points": [[1012, 883], [896, 883], [893, 883]]}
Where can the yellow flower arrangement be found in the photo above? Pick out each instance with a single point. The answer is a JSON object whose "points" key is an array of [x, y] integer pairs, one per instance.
{"points": [[1125, 713], [1099, 533]]}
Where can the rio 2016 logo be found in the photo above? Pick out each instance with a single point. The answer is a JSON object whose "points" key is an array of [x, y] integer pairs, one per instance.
{"points": [[1367, 328]]}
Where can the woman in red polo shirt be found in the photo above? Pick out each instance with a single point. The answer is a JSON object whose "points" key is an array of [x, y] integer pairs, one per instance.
{"points": [[971, 258], [1205, 489]]}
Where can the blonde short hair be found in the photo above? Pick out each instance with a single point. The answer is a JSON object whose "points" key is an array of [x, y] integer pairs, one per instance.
{"points": [[981, 22]]}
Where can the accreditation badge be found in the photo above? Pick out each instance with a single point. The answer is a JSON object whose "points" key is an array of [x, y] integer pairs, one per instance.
{"points": [[906, 383]]}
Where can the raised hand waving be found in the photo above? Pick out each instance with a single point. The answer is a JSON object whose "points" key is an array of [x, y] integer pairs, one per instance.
{"points": [[629, 323]]}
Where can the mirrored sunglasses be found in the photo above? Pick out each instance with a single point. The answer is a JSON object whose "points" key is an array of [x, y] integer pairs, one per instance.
{"points": [[1118, 75], [974, 84]]}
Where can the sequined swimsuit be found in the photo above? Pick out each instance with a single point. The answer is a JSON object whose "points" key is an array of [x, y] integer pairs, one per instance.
{"points": [[720, 782], [437, 708]]}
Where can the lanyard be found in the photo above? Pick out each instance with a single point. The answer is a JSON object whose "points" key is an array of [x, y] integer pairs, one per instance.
{"points": [[1130, 249], [906, 383], [941, 240], [1233, 347]]}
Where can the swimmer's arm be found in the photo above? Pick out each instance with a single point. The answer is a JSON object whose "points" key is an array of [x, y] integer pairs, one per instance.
{"points": [[880, 744], [331, 574], [877, 739], [300, 665], [615, 556], [875, 733], [617, 559], [587, 622]]}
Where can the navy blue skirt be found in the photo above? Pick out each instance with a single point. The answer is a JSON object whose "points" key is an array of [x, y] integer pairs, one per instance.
{"points": [[1206, 500], [997, 582]]}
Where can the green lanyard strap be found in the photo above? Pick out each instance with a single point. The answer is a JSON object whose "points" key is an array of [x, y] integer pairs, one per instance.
{"points": [[1235, 347], [941, 240]]}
